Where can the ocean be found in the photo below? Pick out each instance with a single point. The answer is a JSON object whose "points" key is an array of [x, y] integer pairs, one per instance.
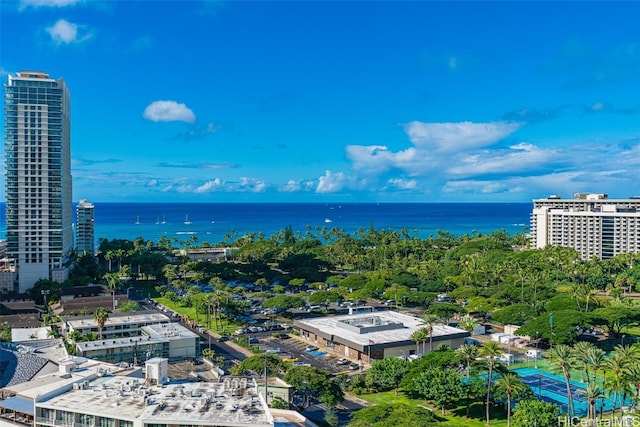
{"points": [[210, 222]]}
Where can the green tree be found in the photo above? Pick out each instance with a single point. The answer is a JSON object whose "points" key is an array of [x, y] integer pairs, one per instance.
{"points": [[443, 387], [100, 316], [591, 393], [256, 364], [129, 306], [430, 320], [511, 384], [283, 302], [312, 383], [445, 310], [535, 413], [490, 350], [388, 415], [388, 372], [563, 357]]}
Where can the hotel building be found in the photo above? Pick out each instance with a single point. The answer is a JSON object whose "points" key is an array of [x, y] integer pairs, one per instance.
{"points": [[38, 178], [84, 228], [592, 224]]}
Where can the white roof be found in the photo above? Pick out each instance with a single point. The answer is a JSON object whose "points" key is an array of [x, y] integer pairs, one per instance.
{"points": [[409, 324], [230, 403], [114, 319]]}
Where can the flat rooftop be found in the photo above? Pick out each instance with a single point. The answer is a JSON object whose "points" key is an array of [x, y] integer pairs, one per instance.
{"points": [[168, 330], [402, 326], [232, 402], [117, 319], [118, 342]]}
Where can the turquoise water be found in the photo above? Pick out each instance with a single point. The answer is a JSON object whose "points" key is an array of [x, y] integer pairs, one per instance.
{"points": [[552, 388]]}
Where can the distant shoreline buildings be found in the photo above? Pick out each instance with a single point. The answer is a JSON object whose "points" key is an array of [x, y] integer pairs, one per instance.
{"points": [[592, 224]]}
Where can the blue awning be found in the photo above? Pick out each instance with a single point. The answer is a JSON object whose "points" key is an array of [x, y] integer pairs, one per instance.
{"points": [[18, 404]]}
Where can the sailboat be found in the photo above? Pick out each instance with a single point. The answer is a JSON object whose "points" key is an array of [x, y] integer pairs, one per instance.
{"points": [[138, 220], [158, 221], [163, 220], [186, 220]]}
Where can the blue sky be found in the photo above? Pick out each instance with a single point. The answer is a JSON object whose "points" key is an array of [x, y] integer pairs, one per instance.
{"points": [[340, 101]]}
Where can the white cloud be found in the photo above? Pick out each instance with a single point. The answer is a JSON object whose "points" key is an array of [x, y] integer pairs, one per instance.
{"points": [[455, 137], [331, 182], [65, 32], [169, 111], [403, 184], [253, 185], [24, 4], [290, 187], [210, 186]]}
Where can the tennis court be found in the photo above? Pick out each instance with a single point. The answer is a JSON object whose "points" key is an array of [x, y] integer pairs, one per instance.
{"points": [[552, 388]]}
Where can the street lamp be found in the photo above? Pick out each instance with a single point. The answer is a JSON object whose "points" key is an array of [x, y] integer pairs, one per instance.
{"points": [[536, 354]]}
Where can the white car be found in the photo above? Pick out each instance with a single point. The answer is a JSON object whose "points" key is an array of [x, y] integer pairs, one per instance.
{"points": [[342, 361]]}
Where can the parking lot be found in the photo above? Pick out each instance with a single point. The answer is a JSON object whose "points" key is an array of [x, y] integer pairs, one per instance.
{"points": [[294, 350]]}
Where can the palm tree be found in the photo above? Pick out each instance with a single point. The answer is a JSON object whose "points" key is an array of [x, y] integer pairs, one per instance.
{"points": [[100, 316], [430, 320], [109, 257], [490, 350], [563, 357], [469, 324], [619, 382], [591, 393], [418, 336], [595, 358], [512, 385], [469, 352], [581, 351]]}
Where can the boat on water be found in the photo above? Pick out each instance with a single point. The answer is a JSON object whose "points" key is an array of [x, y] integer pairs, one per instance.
{"points": [[186, 220], [138, 220], [158, 222], [327, 220]]}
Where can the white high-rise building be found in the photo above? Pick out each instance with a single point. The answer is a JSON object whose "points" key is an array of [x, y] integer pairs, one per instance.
{"points": [[38, 177], [592, 224], [84, 228]]}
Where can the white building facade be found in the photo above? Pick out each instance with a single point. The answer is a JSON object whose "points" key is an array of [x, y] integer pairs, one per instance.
{"points": [[38, 177], [85, 228], [592, 224]]}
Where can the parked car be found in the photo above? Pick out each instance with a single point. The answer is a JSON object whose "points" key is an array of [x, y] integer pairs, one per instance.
{"points": [[354, 366], [223, 339], [311, 348], [342, 361], [290, 359]]}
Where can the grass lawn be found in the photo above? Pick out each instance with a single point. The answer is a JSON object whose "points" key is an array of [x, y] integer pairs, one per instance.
{"points": [[453, 418], [223, 325]]}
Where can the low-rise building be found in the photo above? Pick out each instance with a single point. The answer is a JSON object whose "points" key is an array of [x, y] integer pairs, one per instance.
{"points": [[106, 398], [371, 336], [120, 325], [169, 340]]}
